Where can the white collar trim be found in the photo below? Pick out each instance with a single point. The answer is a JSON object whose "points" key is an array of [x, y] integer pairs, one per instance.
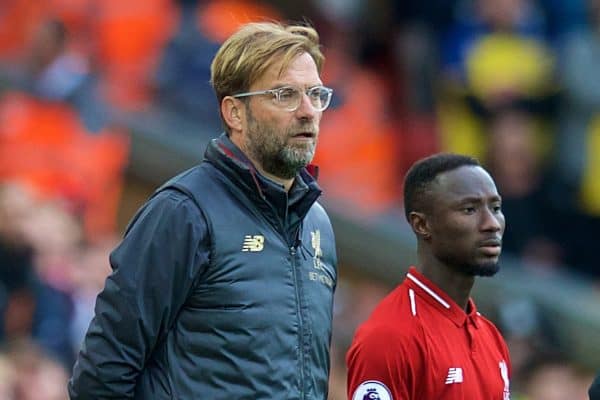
{"points": [[428, 290]]}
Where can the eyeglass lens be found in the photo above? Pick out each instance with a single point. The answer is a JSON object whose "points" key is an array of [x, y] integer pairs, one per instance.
{"points": [[290, 98]]}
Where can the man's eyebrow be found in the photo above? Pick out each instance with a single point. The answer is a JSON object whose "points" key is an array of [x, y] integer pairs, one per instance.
{"points": [[477, 199]]}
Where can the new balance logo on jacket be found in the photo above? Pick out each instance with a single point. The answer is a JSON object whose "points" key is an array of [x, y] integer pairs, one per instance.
{"points": [[253, 243]]}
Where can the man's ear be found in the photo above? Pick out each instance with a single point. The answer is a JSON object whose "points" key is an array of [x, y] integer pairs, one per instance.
{"points": [[420, 225], [232, 111]]}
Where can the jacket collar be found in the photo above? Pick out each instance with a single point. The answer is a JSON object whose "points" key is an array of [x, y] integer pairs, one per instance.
{"points": [[233, 163]]}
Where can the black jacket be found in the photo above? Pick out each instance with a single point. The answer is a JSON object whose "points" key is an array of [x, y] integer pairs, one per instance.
{"points": [[221, 289]]}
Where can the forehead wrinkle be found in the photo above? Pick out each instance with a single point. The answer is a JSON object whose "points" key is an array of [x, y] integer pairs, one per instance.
{"points": [[295, 73]]}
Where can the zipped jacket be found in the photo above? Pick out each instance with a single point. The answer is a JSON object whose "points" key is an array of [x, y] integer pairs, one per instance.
{"points": [[222, 288]]}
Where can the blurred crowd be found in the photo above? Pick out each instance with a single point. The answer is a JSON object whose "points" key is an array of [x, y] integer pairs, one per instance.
{"points": [[511, 82]]}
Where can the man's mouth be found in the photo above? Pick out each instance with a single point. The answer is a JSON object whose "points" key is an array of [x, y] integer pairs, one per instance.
{"points": [[491, 247], [495, 242], [309, 135]]}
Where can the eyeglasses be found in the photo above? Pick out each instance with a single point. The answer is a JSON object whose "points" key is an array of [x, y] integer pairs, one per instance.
{"points": [[289, 97]]}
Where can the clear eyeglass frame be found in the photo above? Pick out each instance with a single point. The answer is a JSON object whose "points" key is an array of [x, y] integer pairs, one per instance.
{"points": [[289, 98]]}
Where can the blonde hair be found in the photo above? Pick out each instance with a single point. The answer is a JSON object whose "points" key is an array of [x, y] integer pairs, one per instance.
{"points": [[248, 53]]}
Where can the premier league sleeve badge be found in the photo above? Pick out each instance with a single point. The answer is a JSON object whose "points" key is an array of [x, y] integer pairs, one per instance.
{"points": [[372, 390]]}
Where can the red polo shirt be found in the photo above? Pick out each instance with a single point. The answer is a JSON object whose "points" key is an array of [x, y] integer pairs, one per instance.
{"points": [[418, 344]]}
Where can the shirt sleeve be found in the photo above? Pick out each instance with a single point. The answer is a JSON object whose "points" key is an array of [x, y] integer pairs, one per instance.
{"points": [[384, 362], [154, 269]]}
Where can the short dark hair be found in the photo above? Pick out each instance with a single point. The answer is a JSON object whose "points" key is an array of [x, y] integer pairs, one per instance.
{"points": [[419, 177]]}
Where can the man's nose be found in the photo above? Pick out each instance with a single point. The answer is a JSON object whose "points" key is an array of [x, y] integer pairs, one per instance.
{"points": [[306, 109], [492, 220]]}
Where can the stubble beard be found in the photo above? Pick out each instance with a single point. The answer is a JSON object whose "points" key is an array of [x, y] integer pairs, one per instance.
{"points": [[487, 269], [271, 149], [472, 268]]}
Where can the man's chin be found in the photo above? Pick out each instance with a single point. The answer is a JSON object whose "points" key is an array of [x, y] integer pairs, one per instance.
{"points": [[489, 269]]}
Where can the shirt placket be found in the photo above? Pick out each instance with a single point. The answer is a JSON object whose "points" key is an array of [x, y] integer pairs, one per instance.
{"points": [[472, 335]]}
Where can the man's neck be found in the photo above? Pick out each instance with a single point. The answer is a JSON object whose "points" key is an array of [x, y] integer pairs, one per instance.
{"points": [[286, 183], [456, 285]]}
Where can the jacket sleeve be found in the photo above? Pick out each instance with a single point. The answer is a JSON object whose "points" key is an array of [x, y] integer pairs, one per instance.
{"points": [[154, 268]]}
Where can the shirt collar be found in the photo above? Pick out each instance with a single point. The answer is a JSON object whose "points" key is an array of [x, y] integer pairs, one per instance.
{"points": [[440, 300]]}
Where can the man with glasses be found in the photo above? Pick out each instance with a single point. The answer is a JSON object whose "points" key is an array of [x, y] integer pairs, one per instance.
{"points": [[223, 285]]}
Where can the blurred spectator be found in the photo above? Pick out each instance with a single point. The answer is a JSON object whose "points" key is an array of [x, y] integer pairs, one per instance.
{"points": [[16, 263], [528, 332], [48, 277], [35, 272], [494, 56], [39, 377], [55, 236], [578, 141], [128, 37], [89, 275], [182, 79], [359, 146], [183, 76], [480, 24], [580, 51], [44, 145], [563, 17], [397, 41], [52, 70], [553, 377], [18, 19], [517, 158], [8, 378]]}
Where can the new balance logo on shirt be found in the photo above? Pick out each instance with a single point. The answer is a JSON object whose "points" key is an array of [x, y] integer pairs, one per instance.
{"points": [[455, 375]]}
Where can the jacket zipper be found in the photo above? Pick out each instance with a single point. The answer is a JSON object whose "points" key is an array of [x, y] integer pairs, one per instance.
{"points": [[300, 320]]}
